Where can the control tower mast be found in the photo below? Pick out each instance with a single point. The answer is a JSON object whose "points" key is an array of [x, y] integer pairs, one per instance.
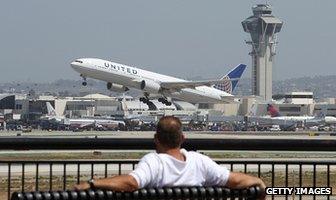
{"points": [[262, 27]]}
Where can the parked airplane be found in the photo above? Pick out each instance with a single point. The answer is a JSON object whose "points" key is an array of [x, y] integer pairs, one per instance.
{"points": [[268, 120], [308, 120], [79, 122], [327, 120], [93, 122], [120, 78], [275, 114], [52, 115]]}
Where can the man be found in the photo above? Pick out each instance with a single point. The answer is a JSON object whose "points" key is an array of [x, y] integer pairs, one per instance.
{"points": [[172, 166]]}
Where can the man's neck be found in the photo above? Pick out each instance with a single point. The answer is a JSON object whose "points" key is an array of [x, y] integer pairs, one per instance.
{"points": [[176, 153]]}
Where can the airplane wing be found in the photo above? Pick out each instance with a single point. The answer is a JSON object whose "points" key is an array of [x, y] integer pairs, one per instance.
{"points": [[190, 84]]}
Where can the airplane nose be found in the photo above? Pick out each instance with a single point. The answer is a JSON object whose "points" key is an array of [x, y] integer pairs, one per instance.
{"points": [[73, 64], [76, 66], [80, 65]]}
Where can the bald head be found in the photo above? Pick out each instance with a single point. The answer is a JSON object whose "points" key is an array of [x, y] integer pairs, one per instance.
{"points": [[169, 132]]}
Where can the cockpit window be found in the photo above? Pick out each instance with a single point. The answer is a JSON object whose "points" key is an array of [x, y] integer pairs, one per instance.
{"points": [[79, 61]]}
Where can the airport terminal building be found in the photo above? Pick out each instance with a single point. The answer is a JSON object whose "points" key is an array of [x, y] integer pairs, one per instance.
{"points": [[21, 107]]}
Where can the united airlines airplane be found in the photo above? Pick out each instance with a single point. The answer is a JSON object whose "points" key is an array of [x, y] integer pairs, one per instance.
{"points": [[120, 78]]}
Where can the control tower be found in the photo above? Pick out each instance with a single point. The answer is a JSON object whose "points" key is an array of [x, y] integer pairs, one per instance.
{"points": [[262, 26]]}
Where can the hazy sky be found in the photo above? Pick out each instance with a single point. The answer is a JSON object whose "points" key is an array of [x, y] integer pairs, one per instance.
{"points": [[184, 38]]}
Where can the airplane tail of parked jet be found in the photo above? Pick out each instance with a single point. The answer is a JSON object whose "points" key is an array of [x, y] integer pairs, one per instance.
{"points": [[51, 110], [273, 111], [232, 79], [253, 110], [52, 115]]}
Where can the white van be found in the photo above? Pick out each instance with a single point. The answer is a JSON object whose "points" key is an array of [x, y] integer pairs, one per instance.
{"points": [[275, 127]]}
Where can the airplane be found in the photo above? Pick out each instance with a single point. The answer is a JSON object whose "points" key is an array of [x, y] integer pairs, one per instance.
{"points": [[120, 78], [52, 115], [95, 122], [79, 122], [327, 119], [275, 116]]}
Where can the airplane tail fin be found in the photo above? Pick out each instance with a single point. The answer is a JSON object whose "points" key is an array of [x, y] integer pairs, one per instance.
{"points": [[51, 110], [273, 111], [253, 110], [232, 79]]}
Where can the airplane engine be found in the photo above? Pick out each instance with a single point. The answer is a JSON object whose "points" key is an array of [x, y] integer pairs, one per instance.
{"points": [[329, 120], [116, 87], [150, 86]]}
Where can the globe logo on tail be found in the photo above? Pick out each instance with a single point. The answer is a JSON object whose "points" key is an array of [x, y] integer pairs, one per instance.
{"points": [[226, 86]]}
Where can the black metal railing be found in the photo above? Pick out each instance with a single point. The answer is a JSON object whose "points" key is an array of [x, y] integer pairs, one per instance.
{"points": [[24, 176], [174, 193]]}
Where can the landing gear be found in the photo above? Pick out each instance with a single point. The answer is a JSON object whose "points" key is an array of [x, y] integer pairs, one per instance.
{"points": [[164, 101], [84, 83], [146, 100], [151, 105]]}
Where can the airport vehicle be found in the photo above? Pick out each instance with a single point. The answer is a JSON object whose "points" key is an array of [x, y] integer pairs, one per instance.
{"points": [[120, 78], [275, 127]]}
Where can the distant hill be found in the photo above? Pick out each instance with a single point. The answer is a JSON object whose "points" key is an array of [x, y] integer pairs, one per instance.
{"points": [[322, 86], [62, 87]]}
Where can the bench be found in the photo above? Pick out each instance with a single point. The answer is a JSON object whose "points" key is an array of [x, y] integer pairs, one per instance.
{"points": [[175, 193]]}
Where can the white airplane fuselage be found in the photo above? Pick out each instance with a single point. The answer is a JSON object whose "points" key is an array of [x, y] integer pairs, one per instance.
{"points": [[89, 121], [131, 77], [295, 118], [330, 120]]}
